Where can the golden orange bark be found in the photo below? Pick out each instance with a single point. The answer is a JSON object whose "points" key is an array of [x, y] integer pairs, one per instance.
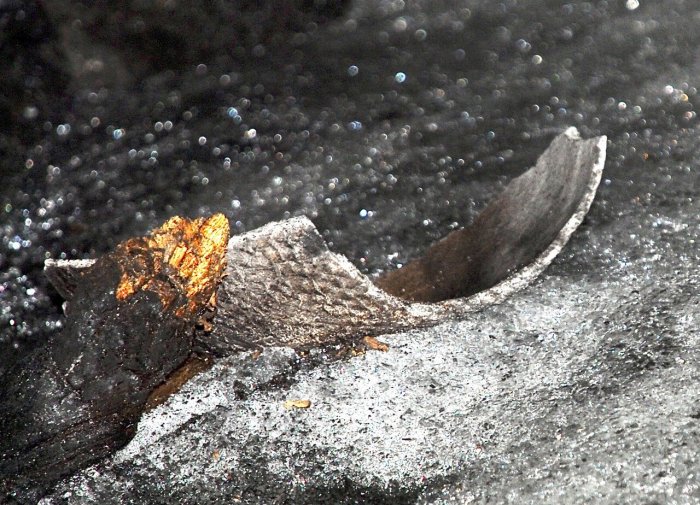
{"points": [[184, 256]]}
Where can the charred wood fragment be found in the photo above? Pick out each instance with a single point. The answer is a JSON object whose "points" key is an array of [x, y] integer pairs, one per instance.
{"points": [[512, 231], [129, 324], [135, 316]]}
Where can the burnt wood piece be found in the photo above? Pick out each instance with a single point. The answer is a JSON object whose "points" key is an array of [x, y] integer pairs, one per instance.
{"points": [[284, 287], [65, 275], [132, 313], [129, 324]]}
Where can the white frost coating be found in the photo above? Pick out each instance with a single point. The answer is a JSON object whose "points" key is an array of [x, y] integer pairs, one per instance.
{"points": [[168, 417], [572, 133], [190, 403]]}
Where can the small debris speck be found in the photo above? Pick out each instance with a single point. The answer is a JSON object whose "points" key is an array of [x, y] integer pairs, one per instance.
{"points": [[297, 404]]}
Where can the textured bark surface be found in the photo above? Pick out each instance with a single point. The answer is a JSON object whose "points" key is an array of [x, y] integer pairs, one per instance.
{"points": [[129, 324], [283, 287]]}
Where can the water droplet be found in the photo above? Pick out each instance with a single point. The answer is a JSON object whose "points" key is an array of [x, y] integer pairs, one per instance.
{"points": [[523, 45], [400, 24], [30, 112]]}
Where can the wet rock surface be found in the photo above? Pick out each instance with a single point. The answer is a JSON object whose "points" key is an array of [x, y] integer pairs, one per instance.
{"points": [[376, 124]]}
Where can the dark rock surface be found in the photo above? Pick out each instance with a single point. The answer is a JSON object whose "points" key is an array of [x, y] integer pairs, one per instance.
{"points": [[389, 126]]}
